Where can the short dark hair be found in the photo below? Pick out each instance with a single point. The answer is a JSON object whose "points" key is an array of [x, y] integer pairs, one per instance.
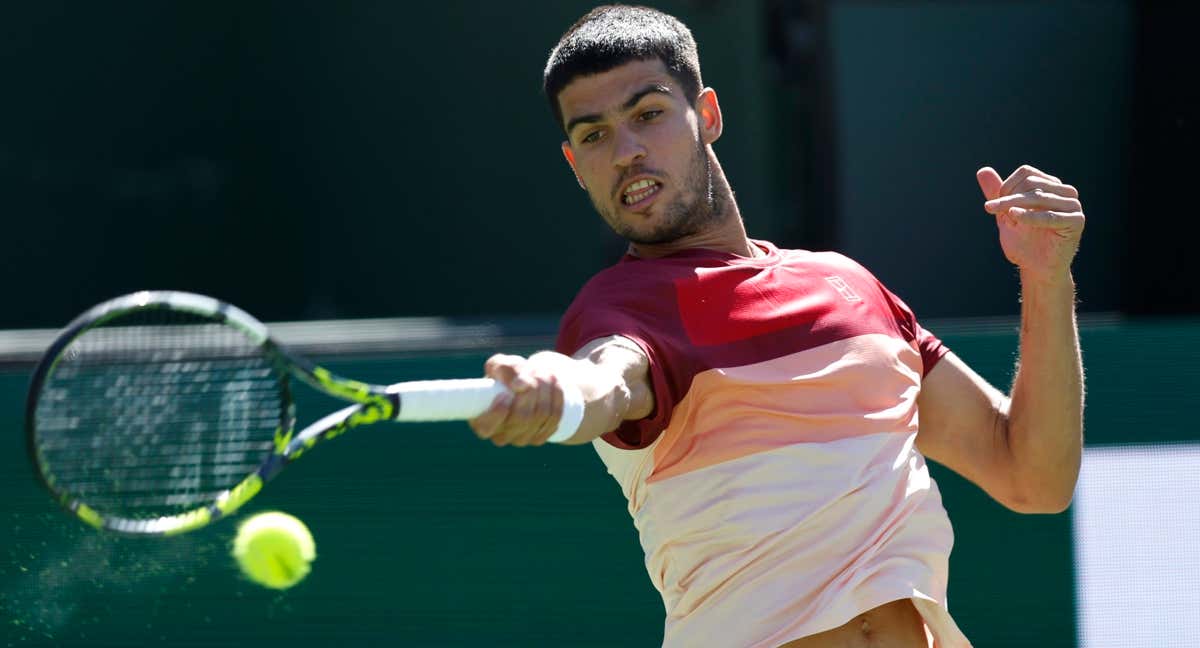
{"points": [[612, 35]]}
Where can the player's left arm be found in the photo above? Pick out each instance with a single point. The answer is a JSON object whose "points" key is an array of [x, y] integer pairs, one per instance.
{"points": [[1024, 449]]}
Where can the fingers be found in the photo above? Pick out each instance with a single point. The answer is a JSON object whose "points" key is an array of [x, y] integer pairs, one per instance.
{"points": [[1042, 183], [1047, 219], [1038, 198], [1051, 186], [1013, 184], [533, 412], [502, 368], [1028, 189], [528, 413], [488, 424], [989, 182], [1025, 178]]}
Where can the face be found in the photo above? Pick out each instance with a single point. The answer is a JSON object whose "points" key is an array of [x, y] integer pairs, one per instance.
{"points": [[640, 149]]}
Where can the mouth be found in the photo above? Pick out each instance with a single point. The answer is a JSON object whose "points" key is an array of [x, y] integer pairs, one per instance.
{"points": [[639, 193]]}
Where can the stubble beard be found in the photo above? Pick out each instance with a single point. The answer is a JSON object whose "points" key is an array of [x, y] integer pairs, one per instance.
{"points": [[688, 214]]}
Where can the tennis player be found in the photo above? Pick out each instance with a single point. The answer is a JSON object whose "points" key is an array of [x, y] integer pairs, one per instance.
{"points": [[759, 406]]}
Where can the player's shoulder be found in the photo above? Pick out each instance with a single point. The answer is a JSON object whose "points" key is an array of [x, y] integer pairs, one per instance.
{"points": [[627, 276], [827, 260], [602, 285], [625, 285]]}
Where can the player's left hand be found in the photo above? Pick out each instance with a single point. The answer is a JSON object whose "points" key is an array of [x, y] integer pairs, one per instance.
{"points": [[1039, 217]]}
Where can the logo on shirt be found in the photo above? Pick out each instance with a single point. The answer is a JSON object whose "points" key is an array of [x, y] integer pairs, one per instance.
{"points": [[843, 288]]}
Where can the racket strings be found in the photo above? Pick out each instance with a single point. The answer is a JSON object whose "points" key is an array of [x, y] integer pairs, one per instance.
{"points": [[155, 413]]}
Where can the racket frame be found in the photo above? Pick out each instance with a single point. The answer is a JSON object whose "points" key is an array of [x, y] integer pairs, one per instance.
{"points": [[373, 403]]}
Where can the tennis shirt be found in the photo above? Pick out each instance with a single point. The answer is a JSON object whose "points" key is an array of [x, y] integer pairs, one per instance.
{"points": [[776, 487]]}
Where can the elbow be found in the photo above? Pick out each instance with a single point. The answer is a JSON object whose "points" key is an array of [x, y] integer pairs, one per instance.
{"points": [[1042, 480], [1042, 500], [1039, 506]]}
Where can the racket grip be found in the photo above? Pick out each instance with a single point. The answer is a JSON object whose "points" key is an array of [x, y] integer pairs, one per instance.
{"points": [[462, 399]]}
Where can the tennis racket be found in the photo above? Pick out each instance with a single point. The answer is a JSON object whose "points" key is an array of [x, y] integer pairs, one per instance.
{"points": [[159, 412]]}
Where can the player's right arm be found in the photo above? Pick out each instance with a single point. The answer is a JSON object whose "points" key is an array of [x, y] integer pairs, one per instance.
{"points": [[612, 373]]}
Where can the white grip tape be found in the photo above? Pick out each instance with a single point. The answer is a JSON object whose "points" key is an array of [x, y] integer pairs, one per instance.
{"points": [[459, 400]]}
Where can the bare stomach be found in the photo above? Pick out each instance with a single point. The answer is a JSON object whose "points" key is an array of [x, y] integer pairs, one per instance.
{"points": [[891, 625]]}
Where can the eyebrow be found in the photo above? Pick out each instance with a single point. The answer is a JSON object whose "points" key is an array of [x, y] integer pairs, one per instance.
{"points": [[629, 103]]}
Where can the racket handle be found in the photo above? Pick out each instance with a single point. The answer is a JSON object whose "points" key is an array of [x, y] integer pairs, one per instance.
{"points": [[459, 400]]}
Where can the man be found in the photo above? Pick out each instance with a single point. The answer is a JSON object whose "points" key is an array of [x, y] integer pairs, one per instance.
{"points": [[759, 406]]}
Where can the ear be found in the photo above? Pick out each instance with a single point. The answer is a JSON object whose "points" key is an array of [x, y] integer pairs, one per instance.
{"points": [[709, 111], [570, 155]]}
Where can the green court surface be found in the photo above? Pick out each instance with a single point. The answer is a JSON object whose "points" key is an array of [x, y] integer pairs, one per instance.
{"points": [[428, 537]]}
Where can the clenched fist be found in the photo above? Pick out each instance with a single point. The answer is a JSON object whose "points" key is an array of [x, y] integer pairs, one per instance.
{"points": [[528, 413]]}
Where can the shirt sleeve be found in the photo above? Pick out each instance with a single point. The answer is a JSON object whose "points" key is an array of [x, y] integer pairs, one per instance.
{"points": [[928, 345], [583, 323]]}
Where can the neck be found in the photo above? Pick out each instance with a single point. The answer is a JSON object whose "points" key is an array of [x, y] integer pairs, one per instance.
{"points": [[728, 233]]}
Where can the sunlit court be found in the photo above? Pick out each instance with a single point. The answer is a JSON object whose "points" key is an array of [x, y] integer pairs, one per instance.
{"points": [[712, 324]]}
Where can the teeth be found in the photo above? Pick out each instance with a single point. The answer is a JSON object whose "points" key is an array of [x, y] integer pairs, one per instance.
{"points": [[639, 190]]}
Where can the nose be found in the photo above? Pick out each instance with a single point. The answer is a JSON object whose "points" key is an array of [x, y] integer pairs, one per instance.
{"points": [[629, 148]]}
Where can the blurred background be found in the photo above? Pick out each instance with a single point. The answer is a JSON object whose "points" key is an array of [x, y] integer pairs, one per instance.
{"points": [[352, 165]]}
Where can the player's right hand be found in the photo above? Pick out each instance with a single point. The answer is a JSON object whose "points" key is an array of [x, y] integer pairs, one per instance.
{"points": [[528, 413]]}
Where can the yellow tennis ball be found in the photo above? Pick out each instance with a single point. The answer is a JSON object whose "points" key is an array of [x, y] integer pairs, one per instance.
{"points": [[274, 549]]}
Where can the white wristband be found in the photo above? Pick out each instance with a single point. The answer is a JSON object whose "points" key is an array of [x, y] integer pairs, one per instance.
{"points": [[572, 413]]}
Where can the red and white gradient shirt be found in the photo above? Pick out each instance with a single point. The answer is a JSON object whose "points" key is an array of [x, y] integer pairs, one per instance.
{"points": [[776, 486]]}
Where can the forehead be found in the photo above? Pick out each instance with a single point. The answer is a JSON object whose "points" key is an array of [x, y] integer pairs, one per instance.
{"points": [[607, 91]]}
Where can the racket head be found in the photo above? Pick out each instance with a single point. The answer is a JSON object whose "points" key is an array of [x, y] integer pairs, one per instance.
{"points": [[157, 412]]}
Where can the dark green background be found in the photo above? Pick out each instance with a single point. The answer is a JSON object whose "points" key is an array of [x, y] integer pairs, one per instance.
{"points": [[379, 158], [314, 159], [428, 537]]}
